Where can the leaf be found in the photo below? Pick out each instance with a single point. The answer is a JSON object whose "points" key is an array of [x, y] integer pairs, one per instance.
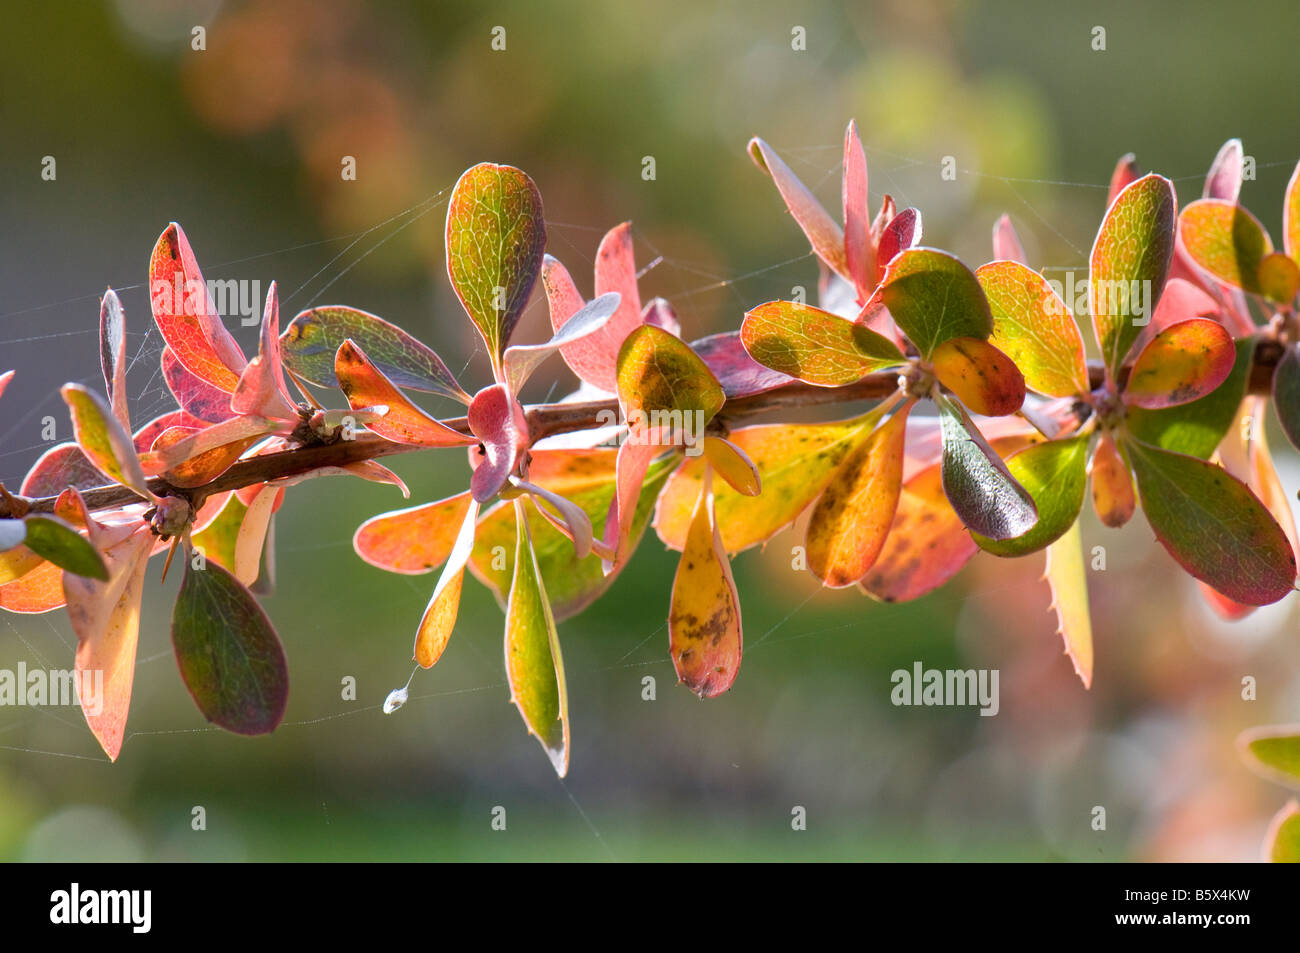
{"points": [[311, 341], [1224, 178], [704, 629], [794, 463], [738, 373], [1112, 487], [1182, 363], [902, 232], [218, 538], [1006, 247], [63, 465], [534, 666], [852, 518], [586, 478], [1196, 428], [193, 445], [522, 359], [261, 389], [825, 236], [978, 484], [204, 467], [733, 465], [566, 516], [106, 618], [102, 439], [660, 373], [981, 376], [1286, 393], [1278, 277], [859, 251], [814, 345], [230, 658], [1125, 173], [440, 614], [365, 386], [38, 589], [1134, 244], [1056, 475], [498, 421], [1225, 240], [184, 313], [1212, 525], [193, 394], [1273, 752], [1282, 842], [1034, 327], [933, 297], [112, 355], [253, 534], [1066, 575], [16, 560], [5, 378], [496, 235], [1291, 216], [415, 540], [55, 540]]}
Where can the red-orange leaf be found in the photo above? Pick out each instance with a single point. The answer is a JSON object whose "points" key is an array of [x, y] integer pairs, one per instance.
{"points": [[415, 540], [1185, 361], [1112, 487], [982, 377], [365, 385]]}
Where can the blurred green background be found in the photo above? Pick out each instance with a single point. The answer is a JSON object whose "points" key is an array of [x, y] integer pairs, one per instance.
{"points": [[242, 144]]}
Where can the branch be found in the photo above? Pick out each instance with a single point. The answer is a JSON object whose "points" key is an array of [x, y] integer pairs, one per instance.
{"points": [[544, 420]]}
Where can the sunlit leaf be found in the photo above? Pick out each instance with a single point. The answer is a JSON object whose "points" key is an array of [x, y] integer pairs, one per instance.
{"points": [[218, 538], [1068, 578], [112, 355], [311, 341], [1213, 525], [1034, 327], [734, 466], [1182, 363], [1291, 216], [253, 534], [981, 376], [498, 421], [1224, 178], [859, 251], [193, 445], [565, 515], [1196, 428], [825, 236], [1125, 173], [738, 373], [933, 297], [261, 388], [1112, 487], [1129, 263], [658, 372], [1056, 475], [35, 590], [415, 540], [978, 484], [364, 385], [1278, 277], [1006, 247], [1273, 751], [1225, 240], [534, 666], [16, 560], [704, 628], [194, 395], [53, 539], [901, 233], [440, 614], [522, 359], [102, 439], [5, 378], [1282, 842], [814, 345], [230, 658], [855, 512], [496, 235]]}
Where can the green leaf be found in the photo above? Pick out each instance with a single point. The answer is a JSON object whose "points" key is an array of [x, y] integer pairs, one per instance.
{"points": [[1034, 327], [62, 545], [534, 666], [933, 297], [658, 372], [496, 236], [1196, 428], [229, 655], [814, 345], [1134, 244], [1274, 752], [1056, 475], [1282, 845], [312, 340], [103, 440], [976, 481], [1225, 240], [1286, 393], [1212, 524]]}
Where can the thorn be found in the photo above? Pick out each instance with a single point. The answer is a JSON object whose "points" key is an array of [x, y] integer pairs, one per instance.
{"points": [[170, 553]]}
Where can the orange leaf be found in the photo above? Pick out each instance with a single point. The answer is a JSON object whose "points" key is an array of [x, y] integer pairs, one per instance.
{"points": [[1112, 487], [365, 385], [1183, 362], [438, 621], [415, 540], [733, 465], [982, 377]]}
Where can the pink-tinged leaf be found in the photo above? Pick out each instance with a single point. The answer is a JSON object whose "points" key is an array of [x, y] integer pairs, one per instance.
{"points": [[1278, 278], [615, 272], [230, 658], [632, 463], [102, 439], [313, 338], [112, 355], [888, 211], [252, 535], [1224, 179], [522, 359], [704, 629], [981, 376], [415, 540], [106, 619], [496, 234], [204, 467], [365, 386], [1034, 327], [1125, 174], [1112, 487], [738, 373], [1291, 216], [978, 484], [662, 315], [660, 373], [1213, 525], [933, 297], [209, 438], [440, 614], [852, 518], [733, 465], [194, 395], [564, 515], [534, 665], [859, 250], [1068, 578], [184, 313], [1226, 241], [1006, 243], [148, 435], [1282, 840], [902, 233], [814, 345], [5, 378], [825, 236], [498, 421], [1183, 362], [62, 466], [1129, 263], [261, 389]]}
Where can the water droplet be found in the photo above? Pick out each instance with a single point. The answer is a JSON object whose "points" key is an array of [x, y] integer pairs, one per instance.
{"points": [[395, 700]]}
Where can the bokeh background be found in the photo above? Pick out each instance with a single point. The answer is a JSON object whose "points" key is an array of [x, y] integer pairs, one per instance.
{"points": [[242, 143]]}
